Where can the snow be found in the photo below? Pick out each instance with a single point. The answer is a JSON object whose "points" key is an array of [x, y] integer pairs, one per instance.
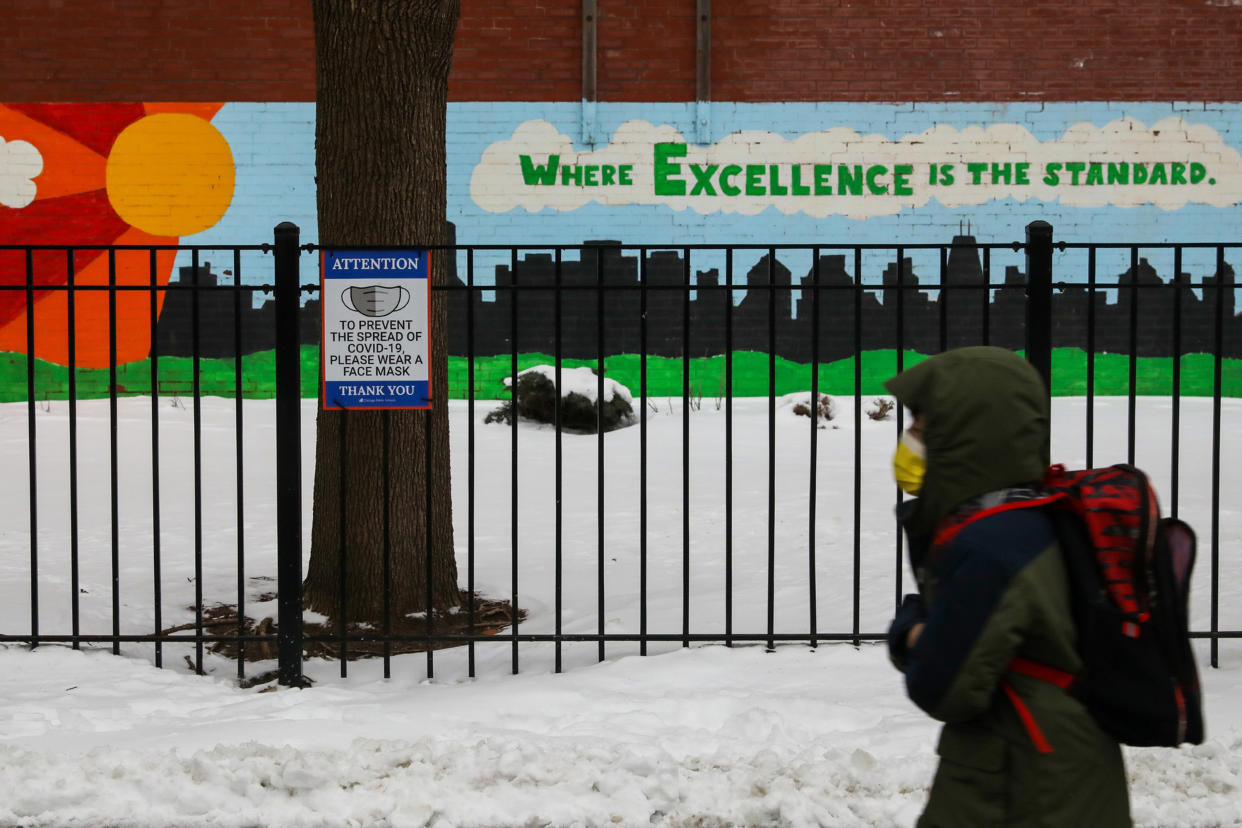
{"points": [[736, 736], [705, 735]]}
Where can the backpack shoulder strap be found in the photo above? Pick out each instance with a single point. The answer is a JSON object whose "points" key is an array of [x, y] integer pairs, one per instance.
{"points": [[952, 526]]}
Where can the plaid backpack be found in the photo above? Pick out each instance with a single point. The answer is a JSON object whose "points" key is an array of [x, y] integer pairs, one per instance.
{"points": [[1129, 573]]}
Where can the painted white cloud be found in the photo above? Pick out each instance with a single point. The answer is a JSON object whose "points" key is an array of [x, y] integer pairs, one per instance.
{"points": [[20, 164], [838, 171]]}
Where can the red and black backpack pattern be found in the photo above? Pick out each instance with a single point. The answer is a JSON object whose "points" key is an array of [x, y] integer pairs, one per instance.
{"points": [[1129, 572], [1129, 576]]}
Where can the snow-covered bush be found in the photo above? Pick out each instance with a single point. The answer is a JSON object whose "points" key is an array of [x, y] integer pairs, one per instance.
{"points": [[802, 405], [880, 408], [824, 407], [537, 400]]}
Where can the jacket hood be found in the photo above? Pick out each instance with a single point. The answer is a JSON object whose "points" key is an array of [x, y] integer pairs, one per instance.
{"points": [[985, 413]]}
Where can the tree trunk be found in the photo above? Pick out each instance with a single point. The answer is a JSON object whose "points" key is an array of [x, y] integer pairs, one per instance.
{"points": [[382, 84]]}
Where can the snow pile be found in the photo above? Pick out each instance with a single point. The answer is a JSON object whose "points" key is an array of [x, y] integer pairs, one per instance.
{"points": [[581, 381], [707, 736], [573, 405], [718, 736]]}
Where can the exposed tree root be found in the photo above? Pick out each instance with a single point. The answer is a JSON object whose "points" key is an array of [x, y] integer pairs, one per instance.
{"points": [[475, 616]]}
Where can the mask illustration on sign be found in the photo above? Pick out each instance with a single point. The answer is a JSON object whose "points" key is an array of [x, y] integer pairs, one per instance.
{"points": [[375, 300]]}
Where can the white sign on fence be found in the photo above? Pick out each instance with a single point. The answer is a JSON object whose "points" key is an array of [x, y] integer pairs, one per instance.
{"points": [[374, 352]]}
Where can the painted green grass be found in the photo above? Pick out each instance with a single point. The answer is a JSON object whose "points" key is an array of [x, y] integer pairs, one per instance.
{"points": [[665, 375], [751, 374], [217, 377]]}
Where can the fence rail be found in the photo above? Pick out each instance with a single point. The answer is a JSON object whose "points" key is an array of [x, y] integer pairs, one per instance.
{"points": [[686, 516]]}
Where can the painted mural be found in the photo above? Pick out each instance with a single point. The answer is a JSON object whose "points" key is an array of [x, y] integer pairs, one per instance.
{"points": [[840, 172], [101, 174], [658, 175]]}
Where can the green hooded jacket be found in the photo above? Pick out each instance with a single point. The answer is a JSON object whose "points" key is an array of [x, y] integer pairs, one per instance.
{"points": [[994, 592]]}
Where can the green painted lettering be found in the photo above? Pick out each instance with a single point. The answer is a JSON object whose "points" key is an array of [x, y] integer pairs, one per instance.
{"points": [[1002, 173], [1095, 174], [754, 179], [591, 180], [703, 179], [1198, 172], [1140, 174], [901, 179], [1050, 174], [609, 173], [976, 170], [570, 171], [1022, 172], [1177, 173], [1074, 168], [849, 182], [821, 173], [666, 183], [1118, 172], [730, 172], [796, 186], [624, 175], [533, 174], [775, 187], [873, 174], [1159, 175]]}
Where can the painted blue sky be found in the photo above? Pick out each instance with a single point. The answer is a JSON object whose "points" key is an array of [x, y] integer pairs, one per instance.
{"points": [[273, 146]]}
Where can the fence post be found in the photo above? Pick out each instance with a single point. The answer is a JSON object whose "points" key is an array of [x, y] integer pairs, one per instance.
{"points": [[1039, 299], [288, 456]]}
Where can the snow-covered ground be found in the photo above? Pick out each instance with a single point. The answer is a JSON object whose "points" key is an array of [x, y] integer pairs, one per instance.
{"points": [[699, 736]]}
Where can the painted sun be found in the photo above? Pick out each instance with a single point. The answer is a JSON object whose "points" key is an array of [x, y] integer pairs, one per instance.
{"points": [[93, 175]]}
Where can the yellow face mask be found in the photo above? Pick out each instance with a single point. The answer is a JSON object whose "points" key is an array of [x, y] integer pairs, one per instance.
{"points": [[909, 463]]}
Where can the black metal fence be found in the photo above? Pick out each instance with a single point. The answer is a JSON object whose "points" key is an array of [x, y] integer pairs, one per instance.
{"points": [[668, 315]]}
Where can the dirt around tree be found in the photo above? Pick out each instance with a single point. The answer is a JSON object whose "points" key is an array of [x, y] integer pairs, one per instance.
{"points": [[475, 616]]}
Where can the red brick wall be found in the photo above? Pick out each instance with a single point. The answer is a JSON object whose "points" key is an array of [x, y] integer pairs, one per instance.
{"points": [[133, 50], [786, 50], [518, 50], [645, 50], [894, 50]]}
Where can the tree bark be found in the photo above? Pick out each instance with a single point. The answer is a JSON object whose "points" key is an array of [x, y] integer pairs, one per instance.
{"points": [[382, 85]]}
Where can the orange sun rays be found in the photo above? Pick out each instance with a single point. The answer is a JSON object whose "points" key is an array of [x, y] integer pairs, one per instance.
{"points": [[166, 172]]}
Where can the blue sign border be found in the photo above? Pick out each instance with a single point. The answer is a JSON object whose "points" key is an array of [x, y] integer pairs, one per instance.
{"points": [[371, 394]]}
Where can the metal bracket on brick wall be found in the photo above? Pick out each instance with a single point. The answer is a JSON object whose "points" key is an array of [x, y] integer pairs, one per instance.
{"points": [[588, 123], [589, 18], [703, 73], [703, 122]]}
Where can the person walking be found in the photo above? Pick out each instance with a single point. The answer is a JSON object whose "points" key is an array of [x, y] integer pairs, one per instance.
{"points": [[1015, 749]]}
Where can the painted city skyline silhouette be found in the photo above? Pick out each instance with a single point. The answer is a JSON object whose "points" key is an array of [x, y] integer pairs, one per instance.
{"points": [[825, 315]]}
